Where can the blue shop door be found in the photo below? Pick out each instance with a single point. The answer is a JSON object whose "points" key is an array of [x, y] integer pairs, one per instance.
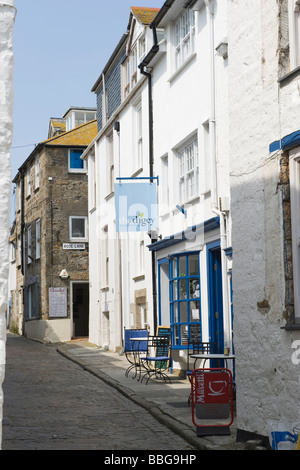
{"points": [[215, 300]]}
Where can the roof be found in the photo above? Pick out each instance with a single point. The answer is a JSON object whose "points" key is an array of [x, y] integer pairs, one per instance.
{"points": [[79, 136], [144, 15]]}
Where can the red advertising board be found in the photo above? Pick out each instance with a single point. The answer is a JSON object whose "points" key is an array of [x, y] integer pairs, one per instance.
{"points": [[212, 397]]}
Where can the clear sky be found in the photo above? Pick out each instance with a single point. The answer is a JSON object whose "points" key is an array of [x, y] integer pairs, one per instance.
{"points": [[60, 49]]}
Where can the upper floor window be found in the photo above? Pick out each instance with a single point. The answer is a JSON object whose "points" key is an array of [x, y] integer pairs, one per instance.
{"points": [[78, 228], [188, 171], [75, 163], [29, 257], [294, 26], [184, 37]]}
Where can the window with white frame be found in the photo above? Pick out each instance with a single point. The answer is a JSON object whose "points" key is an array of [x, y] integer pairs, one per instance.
{"points": [[37, 171], [188, 171], [294, 169], [184, 37], [38, 239], [78, 228], [75, 163], [29, 240], [294, 33]]}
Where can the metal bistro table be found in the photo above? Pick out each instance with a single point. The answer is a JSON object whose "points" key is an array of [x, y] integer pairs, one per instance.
{"points": [[136, 353], [211, 357]]}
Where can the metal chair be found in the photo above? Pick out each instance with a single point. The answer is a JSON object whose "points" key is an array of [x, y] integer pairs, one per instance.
{"points": [[158, 359], [132, 349]]}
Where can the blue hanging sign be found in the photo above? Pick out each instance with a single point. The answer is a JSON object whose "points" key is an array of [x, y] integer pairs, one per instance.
{"points": [[136, 207]]}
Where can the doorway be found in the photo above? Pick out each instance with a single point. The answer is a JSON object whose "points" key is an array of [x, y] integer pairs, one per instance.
{"points": [[80, 308], [215, 297]]}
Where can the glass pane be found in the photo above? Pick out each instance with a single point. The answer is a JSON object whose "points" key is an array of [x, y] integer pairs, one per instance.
{"points": [[182, 266], [75, 160], [183, 312], [194, 288], [78, 228], [193, 265], [194, 311], [176, 336], [184, 334], [175, 313], [182, 289], [174, 267]]}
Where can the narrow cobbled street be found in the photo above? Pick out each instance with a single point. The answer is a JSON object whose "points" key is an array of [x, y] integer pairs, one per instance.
{"points": [[50, 403]]}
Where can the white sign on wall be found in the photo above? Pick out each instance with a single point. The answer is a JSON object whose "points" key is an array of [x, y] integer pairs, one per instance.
{"points": [[58, 302], [73, 246]]}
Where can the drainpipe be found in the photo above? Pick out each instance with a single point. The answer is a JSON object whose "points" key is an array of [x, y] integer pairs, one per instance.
{"points": [[143, 68], [151, 171], [212, 116], [212, 132]]}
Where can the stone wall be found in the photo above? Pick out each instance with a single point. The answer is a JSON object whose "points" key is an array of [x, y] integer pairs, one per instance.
{"points": [[7, 17]]}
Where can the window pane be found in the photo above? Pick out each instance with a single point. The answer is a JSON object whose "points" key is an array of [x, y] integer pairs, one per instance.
{"points": [[182, 266], [174, 267], [183, 312], [78, 228], [194, 288], [75, 160], [193, 265], [182, 289], [184, 334], [175, 290], [175, 313]]}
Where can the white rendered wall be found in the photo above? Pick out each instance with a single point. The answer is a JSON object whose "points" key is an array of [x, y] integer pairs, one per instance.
{"points": [[267, 380], [7, 16]]}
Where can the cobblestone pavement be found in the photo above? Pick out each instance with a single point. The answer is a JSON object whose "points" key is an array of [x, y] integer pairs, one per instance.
{"points": [[50, 403]]}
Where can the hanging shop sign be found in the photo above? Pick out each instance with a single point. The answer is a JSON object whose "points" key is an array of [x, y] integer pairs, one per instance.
{"points": [[136, 207], [212, 401]]}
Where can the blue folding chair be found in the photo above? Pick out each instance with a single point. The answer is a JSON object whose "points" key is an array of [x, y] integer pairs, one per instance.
{"points": [[133, 348]]}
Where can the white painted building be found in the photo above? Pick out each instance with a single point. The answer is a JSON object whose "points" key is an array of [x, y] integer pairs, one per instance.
{"points": [[7, 18], [186, 56], [264, 123]]}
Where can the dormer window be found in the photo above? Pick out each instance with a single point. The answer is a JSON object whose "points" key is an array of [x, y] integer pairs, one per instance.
{"points": [[76, 118]]}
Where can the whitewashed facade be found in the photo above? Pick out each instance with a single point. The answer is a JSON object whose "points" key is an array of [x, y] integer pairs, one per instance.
{"points": [[190, 152], [264, 123], [7, 18]]}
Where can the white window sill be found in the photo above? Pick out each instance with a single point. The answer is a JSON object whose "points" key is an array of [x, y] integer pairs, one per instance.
{"points": [[182, 67]]}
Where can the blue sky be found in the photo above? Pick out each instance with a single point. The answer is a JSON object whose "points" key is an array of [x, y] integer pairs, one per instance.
{"points": [[60, 49]]}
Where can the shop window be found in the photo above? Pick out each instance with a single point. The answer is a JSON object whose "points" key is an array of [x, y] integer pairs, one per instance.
{"points": [[184, 296]]}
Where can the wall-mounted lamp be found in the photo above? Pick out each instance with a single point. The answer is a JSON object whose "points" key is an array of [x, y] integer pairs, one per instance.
{"points": [[222, 49]]}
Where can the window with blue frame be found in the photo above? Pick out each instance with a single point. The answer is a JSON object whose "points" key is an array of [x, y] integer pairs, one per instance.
{"points": [[184, 296], [76, 164]]}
